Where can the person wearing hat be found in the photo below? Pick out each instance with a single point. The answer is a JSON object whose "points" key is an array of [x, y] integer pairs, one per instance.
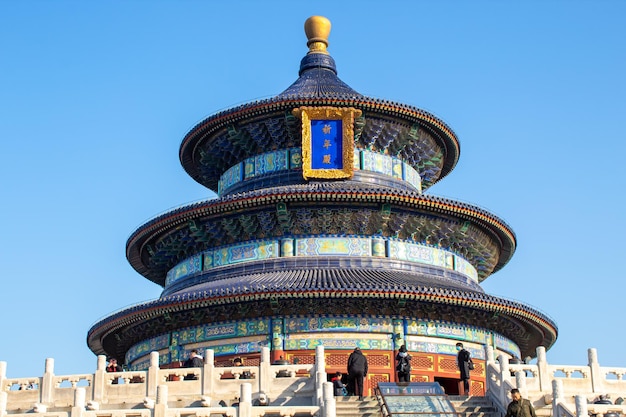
{"points": [[357, 370], [404, 365]]}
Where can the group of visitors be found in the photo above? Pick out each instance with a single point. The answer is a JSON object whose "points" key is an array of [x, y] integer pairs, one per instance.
{"points": [[352, 384], [357, 371], [357, 367]]}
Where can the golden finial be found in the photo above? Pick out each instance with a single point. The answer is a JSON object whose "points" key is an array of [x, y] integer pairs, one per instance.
{"points": [[317, 29]]}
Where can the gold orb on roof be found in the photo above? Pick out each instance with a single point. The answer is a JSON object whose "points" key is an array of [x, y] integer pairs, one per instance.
{"points": [[317, 29]]}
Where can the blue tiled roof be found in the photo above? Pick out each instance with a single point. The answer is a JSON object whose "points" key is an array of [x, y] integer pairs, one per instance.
{"points": [[382, 279], [318, 79]]}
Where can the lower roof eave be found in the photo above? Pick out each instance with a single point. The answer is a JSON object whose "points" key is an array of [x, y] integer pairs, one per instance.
{"points": [[524, 325]]}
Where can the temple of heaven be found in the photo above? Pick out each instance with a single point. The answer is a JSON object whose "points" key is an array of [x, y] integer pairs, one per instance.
{"points": [[322, 233]]}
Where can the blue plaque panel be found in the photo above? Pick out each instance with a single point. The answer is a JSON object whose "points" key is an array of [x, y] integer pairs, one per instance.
{"points": [[326, 144]]}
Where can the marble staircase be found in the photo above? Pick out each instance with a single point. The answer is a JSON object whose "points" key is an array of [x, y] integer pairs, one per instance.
{"points": [[474, 406], [353, 407]]}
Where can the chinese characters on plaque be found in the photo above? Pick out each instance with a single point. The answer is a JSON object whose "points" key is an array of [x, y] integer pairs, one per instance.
{"points": [[326, 144], [327, 141]]}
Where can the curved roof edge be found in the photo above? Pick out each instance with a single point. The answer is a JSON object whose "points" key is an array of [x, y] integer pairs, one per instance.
{"points": [[542, 326], [318, 192], [446, 136]]}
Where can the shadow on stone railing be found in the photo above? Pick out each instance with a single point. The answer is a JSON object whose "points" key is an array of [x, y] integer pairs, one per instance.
{"points": [[297, 388], [562, 388]]}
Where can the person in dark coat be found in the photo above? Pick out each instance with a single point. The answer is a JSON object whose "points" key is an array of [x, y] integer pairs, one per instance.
{"points": [[244, 374], [357, 370], [113, 367], [194, 361], [519, 407], [403, 366], [463, 360]]}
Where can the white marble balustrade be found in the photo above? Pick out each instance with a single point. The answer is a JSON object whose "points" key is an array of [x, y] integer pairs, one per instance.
{"points": [[167, 392], [567, 390]]}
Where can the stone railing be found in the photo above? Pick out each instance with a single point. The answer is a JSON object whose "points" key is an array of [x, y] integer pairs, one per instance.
{"points": [[568, 390], [291, 389]]}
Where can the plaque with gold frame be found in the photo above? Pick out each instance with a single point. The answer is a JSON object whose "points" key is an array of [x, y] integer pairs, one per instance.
{"points": [[327, 141]]}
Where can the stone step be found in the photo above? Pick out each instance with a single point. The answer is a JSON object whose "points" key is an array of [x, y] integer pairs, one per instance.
{"points": [[470, 400], [474, 406], [353, 407]]}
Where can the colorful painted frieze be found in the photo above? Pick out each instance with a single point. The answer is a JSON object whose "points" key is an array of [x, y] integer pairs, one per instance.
{"points": [[502, 343], [147, 346], [188, 267], [286, 159], [324, 324], [245, 252], [396, 168], [329, 246], [338, 341], [465, 268], [249, 168], [377, 162], [232, 176], [412, 177], [295, 158], [271, 162]]}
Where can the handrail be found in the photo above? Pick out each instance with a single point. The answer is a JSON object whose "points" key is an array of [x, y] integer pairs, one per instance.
{"points": [[384, 409], [563, 411], [496, 402]]}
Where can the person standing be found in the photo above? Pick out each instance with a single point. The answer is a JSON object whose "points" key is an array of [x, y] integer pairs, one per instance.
{"points": [[113, 367], [357, 370], [463, 361], [519, 407], [403, 366], [194, 361], [244, 374]]}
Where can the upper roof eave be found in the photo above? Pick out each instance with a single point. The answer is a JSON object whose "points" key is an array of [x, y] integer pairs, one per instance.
{"points": [[496, 227], [202, 131]]}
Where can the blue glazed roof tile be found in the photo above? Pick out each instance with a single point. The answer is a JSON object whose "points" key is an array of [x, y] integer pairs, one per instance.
{"points": [[318, 79]]}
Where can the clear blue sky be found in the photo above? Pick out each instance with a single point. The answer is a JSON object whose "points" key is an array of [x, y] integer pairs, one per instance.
{"points": [[95, 98]]}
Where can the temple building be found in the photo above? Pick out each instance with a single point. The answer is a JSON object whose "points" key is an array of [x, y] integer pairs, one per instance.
{"points": [[323, 233]]}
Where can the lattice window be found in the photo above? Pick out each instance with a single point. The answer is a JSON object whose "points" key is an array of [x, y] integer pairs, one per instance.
{"points": [[378, 360], [419, 378], [376, 378], [303, 358], [337, 359], [447, 364], [477, 388], [423, 362], [478, 369]]}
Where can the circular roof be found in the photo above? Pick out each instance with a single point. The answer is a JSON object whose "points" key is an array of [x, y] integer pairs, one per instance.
{"points": [[267, 295], [478, 236], [229, 137]]}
